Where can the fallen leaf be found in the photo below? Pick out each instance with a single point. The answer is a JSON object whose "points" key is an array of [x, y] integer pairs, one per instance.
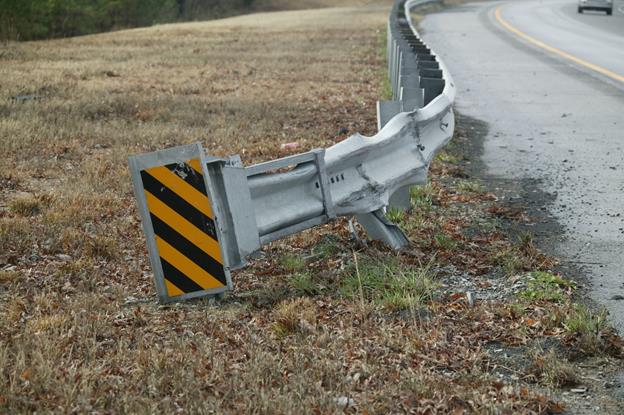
{"points": [[25, 376]]}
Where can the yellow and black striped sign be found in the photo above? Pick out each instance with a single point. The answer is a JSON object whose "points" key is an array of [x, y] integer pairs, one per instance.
{"points": [[184, 228]]}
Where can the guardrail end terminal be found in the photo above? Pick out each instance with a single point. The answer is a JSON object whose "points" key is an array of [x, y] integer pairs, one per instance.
{"points": [[203, 216]]}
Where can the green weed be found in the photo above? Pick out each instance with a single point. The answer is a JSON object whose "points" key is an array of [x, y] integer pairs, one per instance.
{"points": [[292, 262], [422, 196], [390, 285], [445, 242], [304, 284], [471, 186], [395, 215], [546, 287], [591, 331], [326, 248], [447, 157], [517, 309]]}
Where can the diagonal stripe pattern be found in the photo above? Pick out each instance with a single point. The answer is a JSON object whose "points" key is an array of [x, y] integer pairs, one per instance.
{"points": [[183, 222]]}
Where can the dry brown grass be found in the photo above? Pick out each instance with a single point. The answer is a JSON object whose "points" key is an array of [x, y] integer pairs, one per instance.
{"points": [[551, 369], [241, 85], [313, 4], [80, 329]]}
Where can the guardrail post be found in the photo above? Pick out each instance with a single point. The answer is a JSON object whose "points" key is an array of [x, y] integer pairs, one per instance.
{"points": [[380, 228]]}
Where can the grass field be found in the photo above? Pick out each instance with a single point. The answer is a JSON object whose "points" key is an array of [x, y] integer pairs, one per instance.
{"points": [[318, 324]]}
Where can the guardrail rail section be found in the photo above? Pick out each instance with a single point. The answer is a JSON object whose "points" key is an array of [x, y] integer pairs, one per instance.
{"points": [[202, 215]]}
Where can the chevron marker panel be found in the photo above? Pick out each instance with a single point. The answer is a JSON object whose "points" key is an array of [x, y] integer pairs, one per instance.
{"points": [[178, 220]]}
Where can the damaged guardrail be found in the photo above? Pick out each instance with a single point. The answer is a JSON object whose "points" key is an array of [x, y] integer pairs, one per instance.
{"points": [[202, 216]]}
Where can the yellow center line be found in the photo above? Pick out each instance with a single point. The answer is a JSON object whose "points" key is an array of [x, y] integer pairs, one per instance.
{"points": [[554, 50]]}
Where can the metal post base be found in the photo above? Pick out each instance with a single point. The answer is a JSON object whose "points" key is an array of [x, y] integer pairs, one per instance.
{"points": [[381, 229], [401, 199]]}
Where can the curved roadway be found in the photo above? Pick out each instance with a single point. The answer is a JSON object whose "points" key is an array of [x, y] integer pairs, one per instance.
{"points": [[549, 82]]}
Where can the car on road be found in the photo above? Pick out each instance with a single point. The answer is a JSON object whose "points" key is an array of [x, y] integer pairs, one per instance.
{"points": [[604, 5]]}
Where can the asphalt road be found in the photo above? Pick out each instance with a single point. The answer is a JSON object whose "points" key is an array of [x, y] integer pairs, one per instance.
{"points": [[549, 83]]}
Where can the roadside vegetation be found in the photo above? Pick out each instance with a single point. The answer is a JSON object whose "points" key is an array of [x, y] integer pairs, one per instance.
{"points": [[471, 318], [46, 19]]}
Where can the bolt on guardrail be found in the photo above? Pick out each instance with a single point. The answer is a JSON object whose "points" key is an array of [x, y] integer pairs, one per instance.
{"points": [[202, 216]]}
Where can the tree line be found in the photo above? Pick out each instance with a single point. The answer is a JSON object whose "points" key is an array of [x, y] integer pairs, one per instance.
{"points": [[43, 19]]}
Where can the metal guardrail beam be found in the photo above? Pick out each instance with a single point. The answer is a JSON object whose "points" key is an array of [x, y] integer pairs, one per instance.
{"points": [[246, 207]]}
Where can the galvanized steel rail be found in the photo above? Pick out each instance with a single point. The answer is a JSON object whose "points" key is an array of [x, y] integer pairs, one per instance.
{"points": [[360, 176]]}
